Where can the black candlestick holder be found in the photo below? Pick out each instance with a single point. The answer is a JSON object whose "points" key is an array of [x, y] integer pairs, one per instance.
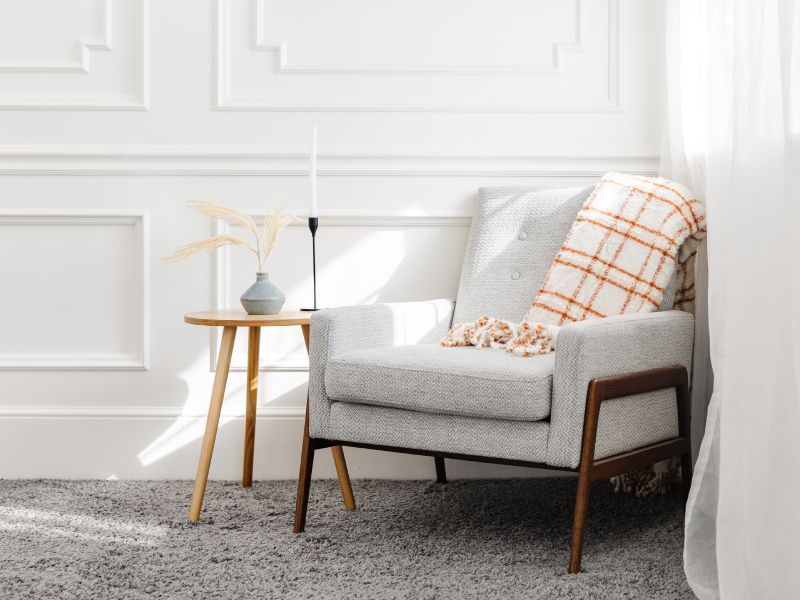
{"points": [[313, 224]]}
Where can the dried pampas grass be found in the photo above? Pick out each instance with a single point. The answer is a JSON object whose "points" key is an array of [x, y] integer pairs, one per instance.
{"points": [[211, 243], [217, 211], [266, 237], [274, 223]]}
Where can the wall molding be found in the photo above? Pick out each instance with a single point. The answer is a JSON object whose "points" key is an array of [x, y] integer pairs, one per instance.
{"points": [[335, 162], [139, 100], [136, 361], [171, 413], [84, 46], [224, 99], [282, 64]]}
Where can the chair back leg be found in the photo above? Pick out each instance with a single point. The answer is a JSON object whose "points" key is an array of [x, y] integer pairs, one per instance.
{"points": [[441, 472]]}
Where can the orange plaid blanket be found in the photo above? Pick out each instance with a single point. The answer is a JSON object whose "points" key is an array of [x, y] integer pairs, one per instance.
{"points": [[619, 256]]}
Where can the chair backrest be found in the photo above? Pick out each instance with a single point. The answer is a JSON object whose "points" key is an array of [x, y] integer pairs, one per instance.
{"points": [[515, 234]]}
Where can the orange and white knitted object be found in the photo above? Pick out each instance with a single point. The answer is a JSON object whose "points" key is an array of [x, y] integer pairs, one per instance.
{"points": [[522, 338], [618, 258]]}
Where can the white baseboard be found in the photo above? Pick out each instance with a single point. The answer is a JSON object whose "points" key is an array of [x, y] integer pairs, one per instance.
{"points": [[100, 447]]}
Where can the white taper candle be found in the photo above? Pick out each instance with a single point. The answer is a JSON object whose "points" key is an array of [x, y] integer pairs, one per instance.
{"points": [[312, 208]]}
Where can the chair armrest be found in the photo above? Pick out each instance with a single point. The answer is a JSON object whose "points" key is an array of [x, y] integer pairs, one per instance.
{"points": [[339, 330], [602, 348]]}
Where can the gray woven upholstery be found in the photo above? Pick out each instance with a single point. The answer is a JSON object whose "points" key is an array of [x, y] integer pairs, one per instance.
{"points": [[515, 440], [338, 330], [375, 377], [454, 381], [515, 234], [635, 421], [615, 346]]}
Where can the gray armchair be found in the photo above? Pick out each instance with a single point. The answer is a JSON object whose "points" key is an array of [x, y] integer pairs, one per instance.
{"points": [[612, 397]]}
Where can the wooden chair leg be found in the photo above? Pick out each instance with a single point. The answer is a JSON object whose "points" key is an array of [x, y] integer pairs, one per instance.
{"points": [[344, 477], [579, 520], [590, 420], [212, 421], [441, 472], [303, 481], [253, 339], [338, 458]]}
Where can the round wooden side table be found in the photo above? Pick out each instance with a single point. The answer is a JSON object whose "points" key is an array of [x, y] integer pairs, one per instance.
{"points": [[230, 320]]}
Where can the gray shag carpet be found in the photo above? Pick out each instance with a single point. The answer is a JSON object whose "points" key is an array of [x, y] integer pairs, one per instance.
{"points": [[408, 539]]}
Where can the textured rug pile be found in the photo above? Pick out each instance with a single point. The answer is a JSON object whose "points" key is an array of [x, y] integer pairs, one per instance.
{"points": [[422, 540]]}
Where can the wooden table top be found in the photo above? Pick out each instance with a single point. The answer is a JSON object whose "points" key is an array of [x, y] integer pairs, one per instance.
{"points": [[236, 317]]}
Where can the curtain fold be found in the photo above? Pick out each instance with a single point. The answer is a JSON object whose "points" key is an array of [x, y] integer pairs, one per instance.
{"points": [[733, 80]]}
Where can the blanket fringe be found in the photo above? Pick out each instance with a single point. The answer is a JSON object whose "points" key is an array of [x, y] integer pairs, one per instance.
{"points": [[652, 480], [525, 339]]}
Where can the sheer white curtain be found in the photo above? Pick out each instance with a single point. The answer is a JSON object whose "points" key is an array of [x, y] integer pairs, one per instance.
{"points": [[734, 136]]}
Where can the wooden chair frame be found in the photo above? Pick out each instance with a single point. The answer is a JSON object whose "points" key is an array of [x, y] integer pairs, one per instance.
{"points": [[589, 468]]}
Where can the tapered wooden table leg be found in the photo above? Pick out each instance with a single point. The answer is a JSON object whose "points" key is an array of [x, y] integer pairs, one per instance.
{"points": [[344, 478], [212, 421], [253, 339], [338, 453]]}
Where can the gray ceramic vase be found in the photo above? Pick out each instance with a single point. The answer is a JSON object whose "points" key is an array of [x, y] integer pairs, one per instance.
{"points": [[262, 298]]}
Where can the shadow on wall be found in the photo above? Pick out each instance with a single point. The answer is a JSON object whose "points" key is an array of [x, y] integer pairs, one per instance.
{"points": [[189, 426]]}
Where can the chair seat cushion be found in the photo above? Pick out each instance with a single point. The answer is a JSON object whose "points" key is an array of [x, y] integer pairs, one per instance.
{"points": [[469, 382]]}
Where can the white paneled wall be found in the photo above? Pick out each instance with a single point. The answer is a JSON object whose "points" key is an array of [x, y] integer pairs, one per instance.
{"points": [[115, 113], [103, 256], [44, 44]]}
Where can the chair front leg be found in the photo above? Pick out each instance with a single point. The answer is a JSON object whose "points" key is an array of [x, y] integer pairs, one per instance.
{"points": [[592, 416], [620, 386], [307, 460], [304, 480]]}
